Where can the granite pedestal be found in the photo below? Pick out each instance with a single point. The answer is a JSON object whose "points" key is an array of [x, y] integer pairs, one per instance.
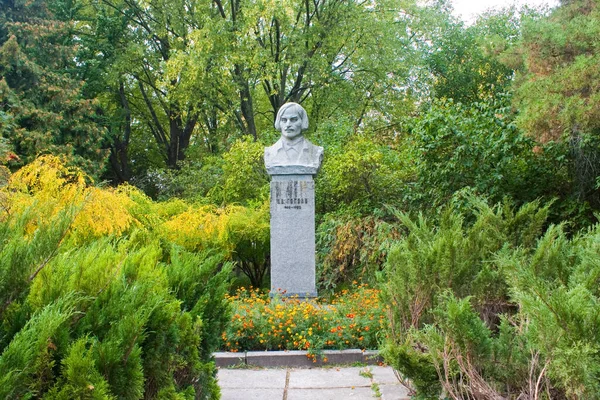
{"points": [[293, 235]]}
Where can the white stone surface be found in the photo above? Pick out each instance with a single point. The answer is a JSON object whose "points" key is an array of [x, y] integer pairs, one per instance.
{"points": [[317, 383], [331, 394], [328, 378], [252, 394], [261, 378], [383, 375]]}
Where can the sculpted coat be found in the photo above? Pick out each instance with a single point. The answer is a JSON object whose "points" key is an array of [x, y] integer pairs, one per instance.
{"points": [[304, 153], [292, 152]]}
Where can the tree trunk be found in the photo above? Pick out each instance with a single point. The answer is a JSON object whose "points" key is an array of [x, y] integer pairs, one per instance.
{"points": [[246, 105], [119, 148], [180, 136]]}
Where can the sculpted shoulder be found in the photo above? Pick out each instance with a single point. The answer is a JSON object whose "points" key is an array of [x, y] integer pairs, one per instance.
{"points": [[292, 153]]}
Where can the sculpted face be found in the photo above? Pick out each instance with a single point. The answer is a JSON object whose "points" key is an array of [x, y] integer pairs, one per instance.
{"points": [[290, 124]]}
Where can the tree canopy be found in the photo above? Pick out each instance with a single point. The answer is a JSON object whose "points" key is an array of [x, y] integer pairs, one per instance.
{"points": [[410, 103]]}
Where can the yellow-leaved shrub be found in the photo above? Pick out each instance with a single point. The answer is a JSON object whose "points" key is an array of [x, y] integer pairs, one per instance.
{"points": [[241, 233], [47, 188], [50, 187], [196, 228], [95, 294]]}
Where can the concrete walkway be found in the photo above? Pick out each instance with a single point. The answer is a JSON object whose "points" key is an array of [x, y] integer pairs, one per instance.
{"points": [[329, 383]]}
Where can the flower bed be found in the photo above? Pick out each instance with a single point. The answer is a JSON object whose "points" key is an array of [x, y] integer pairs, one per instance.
{"points": [[352, 319]]}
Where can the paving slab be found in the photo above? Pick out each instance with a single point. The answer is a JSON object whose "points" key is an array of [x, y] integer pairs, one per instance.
{"points": [[358, 393], [359, 383], [252, 379], [383, 374], [328, 378], [393, 392], [252, 394]]}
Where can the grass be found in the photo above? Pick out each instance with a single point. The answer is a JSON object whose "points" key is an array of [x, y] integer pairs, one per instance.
{"points": [[366, 373]]}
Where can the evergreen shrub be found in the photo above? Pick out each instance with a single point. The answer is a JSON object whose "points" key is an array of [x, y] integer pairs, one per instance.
{"points": [[484, 304], [101, 311]]}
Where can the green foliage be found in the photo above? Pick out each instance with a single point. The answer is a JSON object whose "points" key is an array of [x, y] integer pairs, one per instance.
{"points": [[557, 90], [413, 362], [145, 339], [42, 106], [193, 181], [479, 147], [352, 248], [26, 364], [451, 312], [199, 282], [244, 176], [464, 60], [492, 308], [556, 288], [23, 255], [242, 234], [119, 314], [248, 231], [470, 358], [361, 173], [194, 77], [80, 376], [451, 253]]}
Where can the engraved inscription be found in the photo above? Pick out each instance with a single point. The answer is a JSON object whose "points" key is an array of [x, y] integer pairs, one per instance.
{"points": [[292, 195]]}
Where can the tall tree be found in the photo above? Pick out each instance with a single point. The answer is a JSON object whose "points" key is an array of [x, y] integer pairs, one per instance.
{"points": [[104, 35], [129, 44], [559, 87], [465, 62], [193, 73], [336, 57], [42, 107]]}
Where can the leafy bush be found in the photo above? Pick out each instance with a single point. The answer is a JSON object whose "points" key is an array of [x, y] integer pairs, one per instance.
{"points": [[451, 254], [192, 181], [556, 288], [241, 233], [478, 146], [52, 188], [363, 174], [249, 237], [140, 338], [352, 248], [245, 178]]}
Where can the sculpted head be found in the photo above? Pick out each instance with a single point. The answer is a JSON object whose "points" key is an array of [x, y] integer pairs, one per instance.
{"points": [[291, 120]]}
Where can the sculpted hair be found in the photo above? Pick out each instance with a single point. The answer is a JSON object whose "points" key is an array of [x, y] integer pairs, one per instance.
{"points": [[297, 108]]}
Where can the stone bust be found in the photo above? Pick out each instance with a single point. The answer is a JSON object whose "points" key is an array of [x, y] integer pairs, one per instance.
{"points": [[292, 153]]}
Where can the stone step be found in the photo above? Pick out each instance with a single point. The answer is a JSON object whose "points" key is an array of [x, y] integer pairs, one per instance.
{"points": [[296, 358]]}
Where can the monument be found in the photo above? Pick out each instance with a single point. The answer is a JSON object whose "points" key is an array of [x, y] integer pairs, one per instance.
{"points": [[292, 162]]}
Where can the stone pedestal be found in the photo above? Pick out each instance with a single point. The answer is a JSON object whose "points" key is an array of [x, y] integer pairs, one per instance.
{"points": [[293, 234]]}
